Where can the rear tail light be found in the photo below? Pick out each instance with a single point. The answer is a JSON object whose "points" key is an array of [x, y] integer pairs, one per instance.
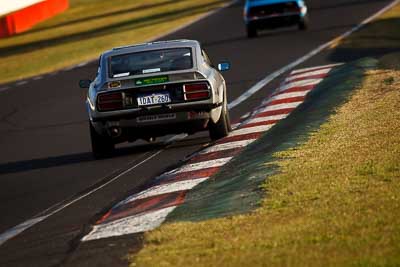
{"points": [[110, 101], [251, 13], [292, 7], [274, 9], [196, 91]]}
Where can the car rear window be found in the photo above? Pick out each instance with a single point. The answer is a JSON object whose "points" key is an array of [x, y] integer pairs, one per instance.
{"points": [[152, 61]]}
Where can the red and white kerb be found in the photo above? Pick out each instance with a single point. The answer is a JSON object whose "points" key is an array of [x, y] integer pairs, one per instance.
{"points": [[148, 209]]}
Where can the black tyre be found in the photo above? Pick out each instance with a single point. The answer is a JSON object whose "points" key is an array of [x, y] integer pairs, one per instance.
{"points": [[251, 31], [102, 146], [228, 121], [304, 23], [222, 127]]}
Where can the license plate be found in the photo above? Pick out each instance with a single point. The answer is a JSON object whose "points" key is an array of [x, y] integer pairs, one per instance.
{"points": [[153, 99]]}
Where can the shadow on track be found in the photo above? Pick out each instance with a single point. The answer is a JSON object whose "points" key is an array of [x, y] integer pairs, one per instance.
{"points": [[57, 161], [371, 43]]}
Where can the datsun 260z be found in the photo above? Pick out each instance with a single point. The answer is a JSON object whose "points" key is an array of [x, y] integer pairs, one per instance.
{"points": [[269, 14], [149, 90]]}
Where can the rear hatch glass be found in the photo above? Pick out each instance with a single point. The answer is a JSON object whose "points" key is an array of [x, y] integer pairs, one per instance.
{"points": [[150, 62]]}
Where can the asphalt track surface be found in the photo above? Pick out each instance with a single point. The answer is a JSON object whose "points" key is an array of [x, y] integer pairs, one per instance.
{"points": [[45, 158]]}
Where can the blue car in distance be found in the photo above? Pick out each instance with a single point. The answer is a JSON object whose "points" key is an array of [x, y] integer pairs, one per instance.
{"points": [[270, 14]]}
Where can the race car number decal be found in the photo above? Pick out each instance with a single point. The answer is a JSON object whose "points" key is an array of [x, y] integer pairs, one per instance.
{"points": [[151, 80]]}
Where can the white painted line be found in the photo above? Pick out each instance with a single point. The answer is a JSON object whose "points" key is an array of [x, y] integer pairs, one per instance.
{"points": [[330, 66], [258, 86], [245, 115], [288, 95], [4, 89], [175, 138], [227, 146], [279, 107], [59, 207], [37, 78], [31, 222], [164, 189], [129, 225], [16, 230], [82, 64], [255, 129], [236, 125], [21, 83], [302, 83], [201, 165], [308, 74], [267, 118], [70, 68]]}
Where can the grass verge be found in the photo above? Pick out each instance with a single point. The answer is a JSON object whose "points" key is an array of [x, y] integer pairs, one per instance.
{"points": [[336, 200], [88, 28]]}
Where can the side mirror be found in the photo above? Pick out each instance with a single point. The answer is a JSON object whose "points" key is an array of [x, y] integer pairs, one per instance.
{"points": [[224, 66], [84, 83]]}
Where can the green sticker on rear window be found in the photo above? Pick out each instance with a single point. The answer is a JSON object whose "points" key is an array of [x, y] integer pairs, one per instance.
{"points": [[152, 80]]}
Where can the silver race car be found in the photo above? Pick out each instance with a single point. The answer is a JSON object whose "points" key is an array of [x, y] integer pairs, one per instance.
{"points": [[149, 90]]}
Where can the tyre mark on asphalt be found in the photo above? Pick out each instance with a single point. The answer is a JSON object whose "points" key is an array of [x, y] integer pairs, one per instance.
{"points": [[16, 230], [6, 119]]}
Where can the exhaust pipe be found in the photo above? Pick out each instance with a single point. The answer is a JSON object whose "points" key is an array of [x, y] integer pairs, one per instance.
{"points": [[115, 132]]}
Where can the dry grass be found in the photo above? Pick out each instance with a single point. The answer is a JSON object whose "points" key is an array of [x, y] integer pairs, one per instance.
{"points": [[88, 28], [373, 37], [336, 202]]}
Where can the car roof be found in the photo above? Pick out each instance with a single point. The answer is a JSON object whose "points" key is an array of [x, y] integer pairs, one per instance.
{"points": [[151, 46]]}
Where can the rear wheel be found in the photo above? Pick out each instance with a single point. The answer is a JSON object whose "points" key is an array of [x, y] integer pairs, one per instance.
{"points": [[303, 23], [222, 127], [102, 146], [251, 31]]}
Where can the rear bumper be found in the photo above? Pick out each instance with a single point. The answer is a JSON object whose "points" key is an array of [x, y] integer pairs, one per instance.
{"points": [[275, 21], [148, 131], [157, 110], [155, 122]]}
